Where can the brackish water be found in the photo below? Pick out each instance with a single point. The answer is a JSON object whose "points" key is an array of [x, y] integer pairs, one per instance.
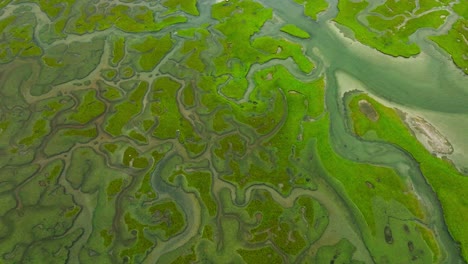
{"points": [[428, 84], [429, 81]]}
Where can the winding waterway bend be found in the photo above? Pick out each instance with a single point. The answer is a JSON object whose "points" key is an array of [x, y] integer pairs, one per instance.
{"points": [[428, 84], [166, 132]]}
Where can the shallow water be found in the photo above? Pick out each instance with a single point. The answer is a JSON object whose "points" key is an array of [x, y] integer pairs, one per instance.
{"points": [[428, 82]]}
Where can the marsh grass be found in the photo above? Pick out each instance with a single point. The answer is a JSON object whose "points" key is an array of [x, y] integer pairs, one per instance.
{"points": [[448, 183]]}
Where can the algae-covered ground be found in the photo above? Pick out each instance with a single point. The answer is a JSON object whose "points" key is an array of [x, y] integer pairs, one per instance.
{"points": [[185, 131]]}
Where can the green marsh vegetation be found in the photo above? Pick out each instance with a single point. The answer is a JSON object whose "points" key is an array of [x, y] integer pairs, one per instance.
{"points": [[179, 131], [390, 24], [313, 7], [151, 50], [19, 38], [438, 172], [454, 41], [295, 31]]}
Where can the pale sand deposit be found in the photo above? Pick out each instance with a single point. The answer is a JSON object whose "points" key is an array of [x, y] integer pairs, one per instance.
{"points": [[438, 132], [428, 135]]}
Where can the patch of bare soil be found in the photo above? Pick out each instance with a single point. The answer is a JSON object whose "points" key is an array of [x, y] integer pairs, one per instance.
{"points": [[428, 135], [366, 108]]}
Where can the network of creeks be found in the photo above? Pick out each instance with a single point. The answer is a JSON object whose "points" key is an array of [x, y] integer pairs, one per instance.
{"points": [[429, 81], [434, 84]]}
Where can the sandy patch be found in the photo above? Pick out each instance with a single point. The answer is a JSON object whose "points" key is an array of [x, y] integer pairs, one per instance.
{"points": [[428, 135]]}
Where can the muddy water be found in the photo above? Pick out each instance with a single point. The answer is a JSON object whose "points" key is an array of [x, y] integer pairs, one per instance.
{"points": [[428, 83]]}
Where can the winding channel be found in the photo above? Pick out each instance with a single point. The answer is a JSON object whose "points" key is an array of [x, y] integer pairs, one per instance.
{"points": [[428, 81]]}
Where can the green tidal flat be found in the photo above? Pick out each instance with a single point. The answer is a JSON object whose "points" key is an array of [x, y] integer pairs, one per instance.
{"points": [[234, 131]]}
